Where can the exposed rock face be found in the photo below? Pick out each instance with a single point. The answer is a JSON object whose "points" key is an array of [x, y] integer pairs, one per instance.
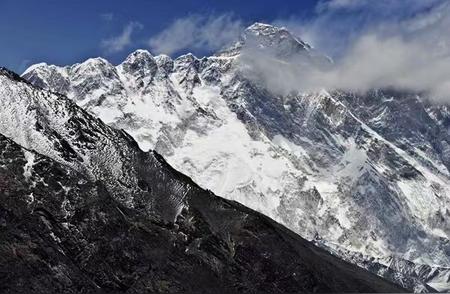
{"points": [[84, 210], [366, 173]]}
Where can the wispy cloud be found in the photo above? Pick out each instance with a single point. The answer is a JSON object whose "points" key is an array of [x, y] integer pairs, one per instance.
{"points": [[196, 32], [107, 16], [120, 42], [339, 23], [23, 65], [380, 6], [410, 51]]}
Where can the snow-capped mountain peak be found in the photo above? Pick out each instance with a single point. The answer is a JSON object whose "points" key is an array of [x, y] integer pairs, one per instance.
{"points": [[269, 35], [165, 63], [140, 64], [94, 67], [366, 172], [260, 36], [35, 67]]}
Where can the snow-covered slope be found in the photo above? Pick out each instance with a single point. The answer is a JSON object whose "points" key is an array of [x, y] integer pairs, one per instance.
{"points": [[84, 210], [367, 173], [54, 126]]}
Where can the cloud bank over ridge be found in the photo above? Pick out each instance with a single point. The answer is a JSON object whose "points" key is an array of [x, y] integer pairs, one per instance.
{"points": [[408, 52]]}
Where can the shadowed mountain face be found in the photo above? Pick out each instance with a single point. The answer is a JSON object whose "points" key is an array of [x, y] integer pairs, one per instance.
{"points": [[84, 210]]}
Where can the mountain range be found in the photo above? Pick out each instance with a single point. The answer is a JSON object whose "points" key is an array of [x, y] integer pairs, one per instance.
{"points": [[363, 175], [84, 210]]}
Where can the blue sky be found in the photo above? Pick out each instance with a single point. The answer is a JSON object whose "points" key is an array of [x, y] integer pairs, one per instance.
{"points": [[65, 32]]}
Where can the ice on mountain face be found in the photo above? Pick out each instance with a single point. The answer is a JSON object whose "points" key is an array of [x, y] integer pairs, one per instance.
{"points": [[54, 126], [418, 277], [279, 39], [164, 63], [228, 161], [29, 165], [86, 78], [369, 173], [35, 67], [141, 65], [440, 280], [186, 69], [48, 77]]}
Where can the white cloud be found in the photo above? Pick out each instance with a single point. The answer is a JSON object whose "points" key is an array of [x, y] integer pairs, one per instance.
{"points": [[339, 23], [23, 65], [339, 4], [120, 42], [198, 33], [411, 53]]}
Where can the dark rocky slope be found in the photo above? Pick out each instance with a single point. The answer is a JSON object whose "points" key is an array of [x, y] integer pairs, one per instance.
{"points": [[65, 227]]}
